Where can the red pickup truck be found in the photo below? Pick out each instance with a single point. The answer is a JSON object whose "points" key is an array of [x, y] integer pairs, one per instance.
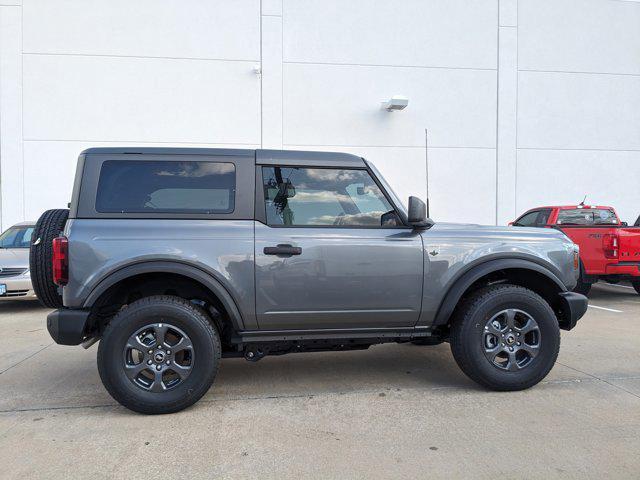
{"points": [[609, 249]]}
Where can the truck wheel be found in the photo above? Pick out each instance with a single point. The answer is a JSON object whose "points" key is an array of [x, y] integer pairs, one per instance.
{"points": [[636, 285], [160, 354], [505, 337], [49, 226], [582, 287]]}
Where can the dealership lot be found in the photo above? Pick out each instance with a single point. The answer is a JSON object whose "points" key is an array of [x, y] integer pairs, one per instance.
{"points": [[393, 410]]}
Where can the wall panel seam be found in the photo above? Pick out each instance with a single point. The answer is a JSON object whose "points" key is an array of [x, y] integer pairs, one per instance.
{"points": [[388, 66], [98, 55]]}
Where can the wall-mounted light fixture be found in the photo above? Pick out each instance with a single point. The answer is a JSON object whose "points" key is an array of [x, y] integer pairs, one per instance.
{"points": [[397, 102]]}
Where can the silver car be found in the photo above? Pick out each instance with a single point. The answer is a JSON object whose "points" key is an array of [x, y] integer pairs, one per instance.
{"points": [[15, 281]]}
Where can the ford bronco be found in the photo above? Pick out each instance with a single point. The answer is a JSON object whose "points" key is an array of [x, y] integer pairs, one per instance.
{"points": [[176, 258]]}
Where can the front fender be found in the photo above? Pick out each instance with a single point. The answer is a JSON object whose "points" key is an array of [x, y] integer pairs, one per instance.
{"points": [[459, 285]]}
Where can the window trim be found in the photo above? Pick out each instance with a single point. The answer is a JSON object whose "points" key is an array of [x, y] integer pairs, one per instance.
{"points": [[261, 206]]}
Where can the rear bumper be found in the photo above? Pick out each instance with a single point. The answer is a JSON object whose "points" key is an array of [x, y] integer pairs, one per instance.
{"points": [[574, 306], [68, 327], [624, 268]]}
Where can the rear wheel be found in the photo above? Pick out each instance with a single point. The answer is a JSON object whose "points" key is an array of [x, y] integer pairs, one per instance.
{"points": [[159, 355], [505, 337], [636, 285], [49, 226]]}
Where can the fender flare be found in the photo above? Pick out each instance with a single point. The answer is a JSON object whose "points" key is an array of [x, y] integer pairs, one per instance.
{"points": [[190, 271], [476, 271]]}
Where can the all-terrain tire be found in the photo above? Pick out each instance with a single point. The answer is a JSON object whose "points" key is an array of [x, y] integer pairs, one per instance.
{"points": [[582, 287], [49, 226], [176, 313], [468, 337]]}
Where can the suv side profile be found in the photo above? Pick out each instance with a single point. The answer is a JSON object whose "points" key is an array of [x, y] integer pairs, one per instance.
{"points": [[176, 258]]}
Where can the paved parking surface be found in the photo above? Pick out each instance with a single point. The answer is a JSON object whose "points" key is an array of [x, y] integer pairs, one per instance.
{"points": [[393, 411]]}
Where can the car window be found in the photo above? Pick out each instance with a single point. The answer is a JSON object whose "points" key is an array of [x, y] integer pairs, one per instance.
{"points": [[16, 237], [543, 218], [133, 186], [296, 196], [537, 218], [527, 220], [587, 216]]}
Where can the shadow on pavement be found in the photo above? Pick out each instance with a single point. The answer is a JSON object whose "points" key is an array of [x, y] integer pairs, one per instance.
{"points": [[20, 306], [605, 291]]}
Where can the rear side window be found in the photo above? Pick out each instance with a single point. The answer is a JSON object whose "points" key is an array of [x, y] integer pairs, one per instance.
{"points": [[587, 216], [133, 186]]}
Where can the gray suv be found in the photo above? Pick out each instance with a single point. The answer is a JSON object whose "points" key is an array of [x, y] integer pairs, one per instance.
{"points": [[175, 258]]}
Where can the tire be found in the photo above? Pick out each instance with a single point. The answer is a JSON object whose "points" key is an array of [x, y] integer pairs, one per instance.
{"points": [[470, 337], [582, 287], [636, 284], [150, 396], [49, 226]]}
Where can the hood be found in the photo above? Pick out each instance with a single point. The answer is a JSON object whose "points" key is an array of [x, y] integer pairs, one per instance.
{"points": [[462, 229], [14, 258]]}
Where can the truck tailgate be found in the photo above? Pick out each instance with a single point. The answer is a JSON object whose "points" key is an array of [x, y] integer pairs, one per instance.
{"points": [[629, 244]]}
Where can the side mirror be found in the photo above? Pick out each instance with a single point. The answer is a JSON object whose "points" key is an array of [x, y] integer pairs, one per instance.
{"points": [[287, 190], [417, 215], [624, 224], [510, 224]]}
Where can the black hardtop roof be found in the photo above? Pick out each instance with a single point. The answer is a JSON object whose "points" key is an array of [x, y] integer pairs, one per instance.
{"points": [[261, 156]]}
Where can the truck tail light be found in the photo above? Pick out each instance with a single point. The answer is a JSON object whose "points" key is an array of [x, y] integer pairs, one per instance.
{"points": [[60, 260], [610, 244]]}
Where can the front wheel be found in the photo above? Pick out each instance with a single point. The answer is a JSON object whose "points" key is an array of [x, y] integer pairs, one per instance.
{"points": [[159, 354], [505, 337]]}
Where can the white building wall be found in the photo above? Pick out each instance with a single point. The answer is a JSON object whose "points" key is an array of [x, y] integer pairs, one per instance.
{"points": [[526, 102]]}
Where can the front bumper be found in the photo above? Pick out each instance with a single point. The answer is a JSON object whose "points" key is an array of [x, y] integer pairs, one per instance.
{"points": [[18, 288], [573, 307], [67, 326]]}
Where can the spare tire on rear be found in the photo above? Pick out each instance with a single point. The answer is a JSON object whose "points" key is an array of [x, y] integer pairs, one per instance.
{"points": [[49, 226]]}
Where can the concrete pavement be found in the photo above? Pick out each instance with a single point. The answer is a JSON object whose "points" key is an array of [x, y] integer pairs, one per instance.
{"points": [[393, 411]]}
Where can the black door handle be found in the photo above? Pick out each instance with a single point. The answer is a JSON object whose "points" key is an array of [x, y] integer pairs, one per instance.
{"points": [[282, 249]]}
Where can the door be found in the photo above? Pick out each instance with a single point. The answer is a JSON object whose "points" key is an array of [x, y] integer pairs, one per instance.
{"points": [[333, 252]]}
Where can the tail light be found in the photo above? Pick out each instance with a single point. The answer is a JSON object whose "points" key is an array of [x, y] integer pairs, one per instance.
{"points": [[610, 244], [60, 260]]}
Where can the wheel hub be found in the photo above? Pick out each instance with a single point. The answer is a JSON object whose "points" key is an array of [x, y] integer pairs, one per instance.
{"points": [[158, 357], [511, 339]]}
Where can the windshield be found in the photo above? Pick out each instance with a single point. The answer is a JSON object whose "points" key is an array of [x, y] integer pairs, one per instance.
{"points": [[587, 216], [16, 237]]}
